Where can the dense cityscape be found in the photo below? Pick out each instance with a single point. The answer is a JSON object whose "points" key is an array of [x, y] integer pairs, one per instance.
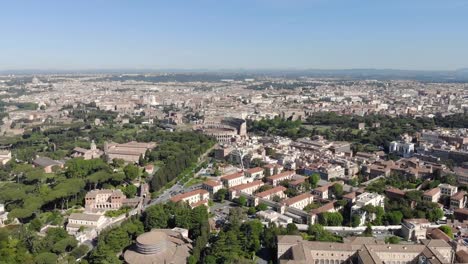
{"points": [[232, 168]]}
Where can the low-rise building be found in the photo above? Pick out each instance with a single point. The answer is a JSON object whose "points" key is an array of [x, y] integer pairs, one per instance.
{"points": [[414, 229], [275, 191], [276, 179], [246, 188], [232, 180], [432, 195], [193, 198], [272, 169], [458, 200], [79, 221], [300, 201], [271, 216], [92, 153], [254, 173], [447, 189], [462, 174], [294, 249], [129, 152], [212, 186], [364, 199], [322, 191], [103, 200]]}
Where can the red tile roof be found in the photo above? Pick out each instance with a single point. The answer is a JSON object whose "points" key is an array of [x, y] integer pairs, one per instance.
{"points": [[247, 185], [232, 176], [298, 198], [182, 196], [254, 170], [271, 191], [282, 175]]}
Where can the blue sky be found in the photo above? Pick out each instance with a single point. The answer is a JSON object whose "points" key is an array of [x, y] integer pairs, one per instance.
{"points": [[230, 34]]}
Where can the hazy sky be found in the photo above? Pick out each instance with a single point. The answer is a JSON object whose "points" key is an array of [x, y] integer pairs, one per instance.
{"points": [[213, 34]]}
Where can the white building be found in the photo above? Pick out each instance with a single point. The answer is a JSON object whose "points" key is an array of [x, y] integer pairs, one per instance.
{"points": [[271, 216], [364, 199], [402, 148], [85, 221], [447, 189]]}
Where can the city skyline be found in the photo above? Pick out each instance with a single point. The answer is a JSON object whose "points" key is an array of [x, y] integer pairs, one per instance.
{"points": [[52, 35]]}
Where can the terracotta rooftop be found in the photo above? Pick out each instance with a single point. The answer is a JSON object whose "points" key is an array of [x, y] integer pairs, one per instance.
{"points": [[247, 185], [254, 170], [350, 195], [271, 191], [182, 196], [458, 196], [324, 208], [233, 176], [432, 191], [211, 183], [298, 198], [282, 175]]}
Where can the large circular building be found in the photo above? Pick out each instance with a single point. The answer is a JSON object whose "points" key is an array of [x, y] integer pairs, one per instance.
{"points": [[159, 246]]}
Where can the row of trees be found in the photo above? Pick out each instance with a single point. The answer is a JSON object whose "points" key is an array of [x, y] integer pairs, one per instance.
{"points": [[176, 153]]}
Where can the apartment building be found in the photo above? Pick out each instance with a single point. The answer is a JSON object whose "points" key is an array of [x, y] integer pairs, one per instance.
{"points": [[254, 173], [432, 195], [193, 198], [458, 200], [232, 180], [447, 189], [275, 191], [276, 179], [300, 201], [246, 188], [212, 186]]}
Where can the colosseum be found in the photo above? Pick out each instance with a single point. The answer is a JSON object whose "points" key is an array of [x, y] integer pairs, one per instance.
{"points": [[225, 130]]}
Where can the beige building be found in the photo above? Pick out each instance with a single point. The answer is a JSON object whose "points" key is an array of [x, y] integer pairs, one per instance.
{"points": [[432, 195], [83, 220], [103, 200], [362, 250], [232, 180], [193, 198], [129, 152], [414, 229], [254, 173], [276, 179], [277, 191], [458, 200], [247, 188], [300, 201], [92, 153], [212, 186]]}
